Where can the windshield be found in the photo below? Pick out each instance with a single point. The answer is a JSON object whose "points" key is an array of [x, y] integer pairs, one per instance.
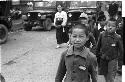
{"points": [[44, 4], [82, 4]]}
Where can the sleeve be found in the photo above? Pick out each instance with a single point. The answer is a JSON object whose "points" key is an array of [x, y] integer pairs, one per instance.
{"points": [[55, 19], [98, 46], [95, 33], [92, 39], [120, 46], [93, 69], [64, 19], [61, 69]]}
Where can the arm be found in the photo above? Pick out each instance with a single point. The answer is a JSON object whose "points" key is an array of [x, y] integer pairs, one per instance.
{"points": [[93, 69], [95, 33], [61, 69], [55, 20], [64, 19], [98, 46], [92, 39], [120, 46]]}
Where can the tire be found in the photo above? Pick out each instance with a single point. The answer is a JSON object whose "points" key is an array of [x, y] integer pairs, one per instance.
{"points": [[27, 28], [47, 24], [3, 33]]}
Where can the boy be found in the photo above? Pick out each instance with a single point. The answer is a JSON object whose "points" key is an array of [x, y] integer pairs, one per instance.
{"points": [[100, 27], [108, 47], [91, 43], [77, 63]]}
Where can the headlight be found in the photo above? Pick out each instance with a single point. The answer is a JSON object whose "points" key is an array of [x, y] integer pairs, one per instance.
{"points": [[9, 18], [39, 15], [28, 14], [43, 16], [70, 14]]}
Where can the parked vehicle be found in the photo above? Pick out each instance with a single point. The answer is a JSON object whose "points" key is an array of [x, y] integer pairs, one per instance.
{"points": [[42, 15], [42, 18], [74, 15], [5, 21]]}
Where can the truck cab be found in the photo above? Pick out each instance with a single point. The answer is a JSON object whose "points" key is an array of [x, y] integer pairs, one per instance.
{"points": [[41, 15], [5, 20]]}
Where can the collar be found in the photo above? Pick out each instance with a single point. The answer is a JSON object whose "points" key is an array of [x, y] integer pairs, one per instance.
{"points": [[83, 53], [99, 27], [110, 34]]}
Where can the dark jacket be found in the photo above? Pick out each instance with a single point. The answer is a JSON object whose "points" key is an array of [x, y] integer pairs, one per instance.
{"points": [[91, 41], [96, 33], [109, 45], [77, 68]]}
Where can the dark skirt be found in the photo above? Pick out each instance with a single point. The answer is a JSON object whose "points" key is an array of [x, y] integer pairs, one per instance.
{"points": [[62, 37]]}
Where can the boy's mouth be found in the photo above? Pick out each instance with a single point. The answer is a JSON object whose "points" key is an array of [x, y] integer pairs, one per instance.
{"points": [[77, 43]]}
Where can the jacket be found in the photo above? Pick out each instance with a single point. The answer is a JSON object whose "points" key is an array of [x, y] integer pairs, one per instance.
{"points": [[77, 68], [109, 45]]}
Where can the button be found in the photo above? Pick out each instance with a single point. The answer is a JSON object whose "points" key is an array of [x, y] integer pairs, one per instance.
{"points": [[72, 78], [74, 71]]}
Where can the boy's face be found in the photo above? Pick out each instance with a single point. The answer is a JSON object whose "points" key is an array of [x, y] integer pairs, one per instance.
{"points": [[84, 21], [111, 26], [78, 37], [102, 23]]}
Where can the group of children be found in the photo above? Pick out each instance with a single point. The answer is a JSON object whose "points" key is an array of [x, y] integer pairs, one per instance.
{"points": [[79, 62]]}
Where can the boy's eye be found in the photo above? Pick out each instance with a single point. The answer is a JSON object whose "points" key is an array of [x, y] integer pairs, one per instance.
{"points": [[74, 36], [81, 36]]}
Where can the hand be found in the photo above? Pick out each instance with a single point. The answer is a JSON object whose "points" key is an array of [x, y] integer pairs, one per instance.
{"points": [[58, 26], [103, 56], [62, 25]]}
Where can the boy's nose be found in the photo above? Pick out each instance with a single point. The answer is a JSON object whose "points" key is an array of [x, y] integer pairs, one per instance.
{"points": [[77, 39], [110, 27]]}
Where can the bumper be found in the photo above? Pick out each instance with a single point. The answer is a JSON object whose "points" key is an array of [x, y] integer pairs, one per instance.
{"points": [[33, 23]]}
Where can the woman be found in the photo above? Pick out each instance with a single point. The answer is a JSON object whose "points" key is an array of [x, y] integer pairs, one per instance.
{"points": [[60, 21]]}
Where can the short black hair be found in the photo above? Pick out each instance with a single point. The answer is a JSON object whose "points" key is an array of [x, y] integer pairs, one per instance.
{"points": [[80, 26], [101, 18], [82, 18], [114, 20]]}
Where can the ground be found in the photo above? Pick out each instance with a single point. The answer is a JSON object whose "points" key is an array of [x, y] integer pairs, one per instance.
{"points": [[32, 57]]}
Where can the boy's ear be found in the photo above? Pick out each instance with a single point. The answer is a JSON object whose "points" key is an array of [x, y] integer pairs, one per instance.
{"points": [[69, 35], [87, 38]]}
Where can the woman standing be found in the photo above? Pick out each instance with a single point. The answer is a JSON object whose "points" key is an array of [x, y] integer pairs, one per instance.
{"points": [[60, 21]]}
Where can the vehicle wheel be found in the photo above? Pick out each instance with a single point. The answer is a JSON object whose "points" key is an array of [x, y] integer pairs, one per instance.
{"points": [[47, 24], [27, 28], [3, 33]]}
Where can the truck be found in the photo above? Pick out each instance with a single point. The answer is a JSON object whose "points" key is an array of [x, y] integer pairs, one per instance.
{"points": [[5, 20], [41, 14]]}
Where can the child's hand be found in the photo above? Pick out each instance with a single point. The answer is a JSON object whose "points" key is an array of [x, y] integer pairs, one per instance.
{"points": [[103, 56], [58, 26]]}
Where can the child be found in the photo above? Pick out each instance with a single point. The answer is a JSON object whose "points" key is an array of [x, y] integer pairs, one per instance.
{"points": [[77, 63], [91, 43], [60, 21], [108, 46], [100, 27]]}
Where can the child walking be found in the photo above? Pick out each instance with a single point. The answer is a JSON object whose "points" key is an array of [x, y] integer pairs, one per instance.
{"points": [[108, 47], [60, 21], [77, 63]]}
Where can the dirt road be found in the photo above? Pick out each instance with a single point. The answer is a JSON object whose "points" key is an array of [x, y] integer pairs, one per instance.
{"points": [[32, 57]]}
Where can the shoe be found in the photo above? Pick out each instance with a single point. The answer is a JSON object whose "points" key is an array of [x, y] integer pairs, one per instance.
{"points": [[58, 46]]}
